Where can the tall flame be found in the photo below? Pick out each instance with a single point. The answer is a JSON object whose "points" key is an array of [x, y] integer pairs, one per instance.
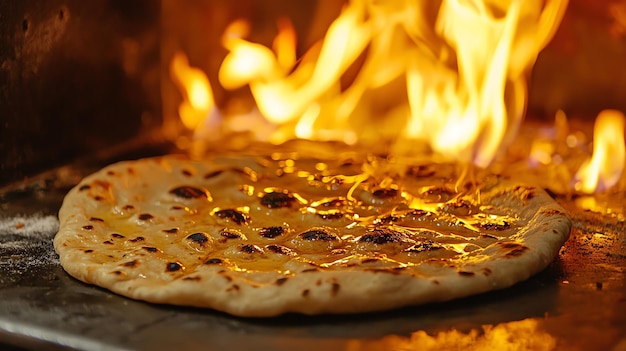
{"points": [[606, 164], [195, 85], [448, 73]]}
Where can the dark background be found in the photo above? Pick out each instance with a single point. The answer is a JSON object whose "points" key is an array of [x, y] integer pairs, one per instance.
{"points": [[76, 77]]}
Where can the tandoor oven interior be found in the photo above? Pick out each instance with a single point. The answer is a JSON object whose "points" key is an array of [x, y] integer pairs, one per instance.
{"points": [[87, 83]]}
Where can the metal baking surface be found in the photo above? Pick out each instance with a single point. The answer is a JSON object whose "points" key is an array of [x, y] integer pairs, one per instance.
{"points": [[578, 303]]}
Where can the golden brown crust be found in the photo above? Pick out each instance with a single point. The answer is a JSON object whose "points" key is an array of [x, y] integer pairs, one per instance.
{"points": [[256, 236]]}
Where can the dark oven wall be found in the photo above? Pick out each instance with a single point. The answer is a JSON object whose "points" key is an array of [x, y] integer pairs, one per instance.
{"points": [[75, 77]]}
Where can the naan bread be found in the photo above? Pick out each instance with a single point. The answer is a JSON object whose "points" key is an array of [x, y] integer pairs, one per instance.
{"points": [[262, 236]]}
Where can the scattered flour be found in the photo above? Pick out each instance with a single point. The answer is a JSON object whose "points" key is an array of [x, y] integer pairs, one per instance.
{"points": [[27, 240], [35, 226]]}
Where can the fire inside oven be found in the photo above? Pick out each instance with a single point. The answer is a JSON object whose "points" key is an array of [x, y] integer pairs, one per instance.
{"points": [[532, 90]]}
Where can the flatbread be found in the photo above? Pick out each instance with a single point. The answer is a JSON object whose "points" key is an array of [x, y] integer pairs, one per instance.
{"points": [[262, 236]]}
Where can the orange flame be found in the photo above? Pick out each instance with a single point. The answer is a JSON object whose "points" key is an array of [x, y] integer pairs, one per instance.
{"points": [[198, 96], [449, 73], [606, 164]]}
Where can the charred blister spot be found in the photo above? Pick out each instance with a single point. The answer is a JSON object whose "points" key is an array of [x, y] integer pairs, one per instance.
{"points": [[420, 171], [87, 227], [192, 279], [84, 187], [177, 208], [233, 287], [281, 281], [150, 249], [460, 207], [120, 273], [435, 281], [527, 192], [330, 215], [310, 270], [465, 273], [88, 251], [137, 239], [510, 245], [108, 242], [305, 293], [249, 248], [214, 261], [370, 260], [130, 170], [487, 236], [277, 200], [319, 234], [225, 275], [145, 216], [516, 252], [198, 238], [390, 270], [131, 264], [385, 193], [98, 198], [279, 249], [171, 230], [96, 219], [248, 172], [128, 207], [234, 215], [347, 162], [486, 271], [231, 234], [117, 235], [495, 226], [387, 219], [334, 290], [415, 214], [317, 177], [189, 192], [553, 212], [173, 267], [440, 193], [425, 245], [333, 203], [382, 236], [186, 173], [271, 232], [513, 249], [338, 251], [213, 174], [110, 173]]}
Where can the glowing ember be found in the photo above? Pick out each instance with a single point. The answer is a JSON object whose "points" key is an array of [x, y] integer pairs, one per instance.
{"points": [[450, 74], [605, 166], [526, 334]]}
